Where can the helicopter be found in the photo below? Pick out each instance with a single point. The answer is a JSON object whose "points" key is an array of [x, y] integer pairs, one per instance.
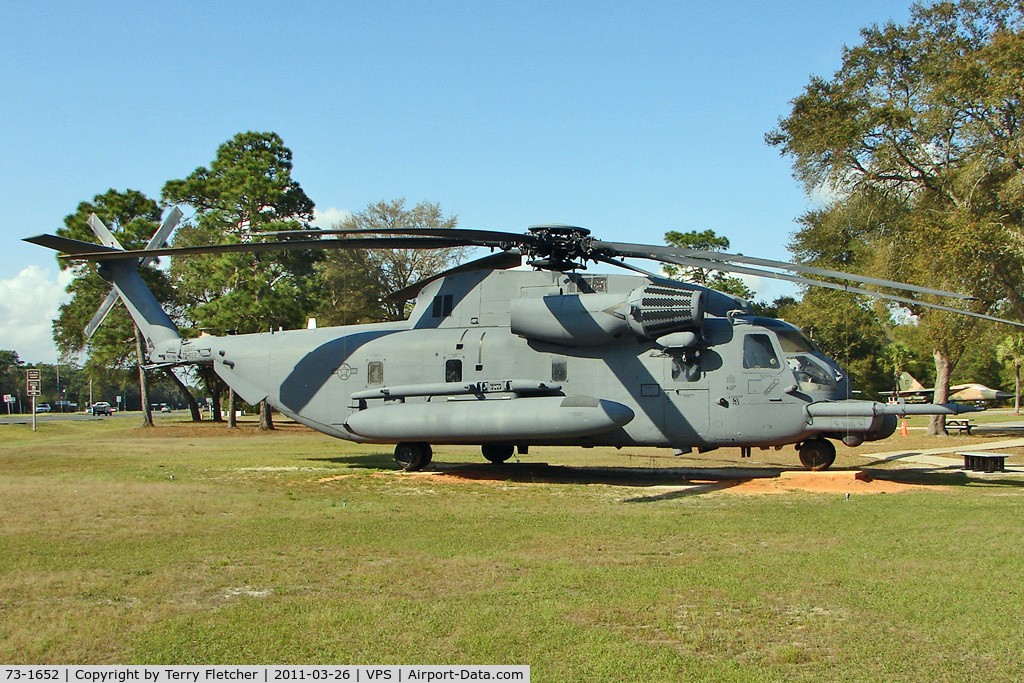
{"points": [[507, 359]]}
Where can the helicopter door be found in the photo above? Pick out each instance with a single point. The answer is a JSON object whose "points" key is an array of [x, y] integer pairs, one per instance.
{"points": [[686, 391], [761, 406]]}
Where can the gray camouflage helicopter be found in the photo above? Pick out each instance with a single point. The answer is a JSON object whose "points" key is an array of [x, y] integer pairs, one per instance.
{"points": [[508, 359]]}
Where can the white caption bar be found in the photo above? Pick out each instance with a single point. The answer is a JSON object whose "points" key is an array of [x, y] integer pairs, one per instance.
{"points": [[262, 674]]}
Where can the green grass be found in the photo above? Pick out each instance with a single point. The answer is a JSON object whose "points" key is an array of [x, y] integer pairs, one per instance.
{"points": [[191, 545]]}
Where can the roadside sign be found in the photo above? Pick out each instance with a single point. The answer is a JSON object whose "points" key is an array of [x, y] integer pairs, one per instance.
{"points": [[9, 398], [33, 383]]}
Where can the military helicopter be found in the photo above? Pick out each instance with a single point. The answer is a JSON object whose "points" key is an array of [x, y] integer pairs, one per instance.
{"points": [[508, 359]]}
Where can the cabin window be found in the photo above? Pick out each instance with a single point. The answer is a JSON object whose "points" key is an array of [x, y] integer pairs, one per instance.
{"points": [[559, 370], [375, 372], [443, 306], [686, 367], [758, 353], [587, 284], [453, 370]]}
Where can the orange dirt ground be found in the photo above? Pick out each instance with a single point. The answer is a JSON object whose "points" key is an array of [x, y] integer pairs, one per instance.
{"points": [[841, 481], [822, 482]]}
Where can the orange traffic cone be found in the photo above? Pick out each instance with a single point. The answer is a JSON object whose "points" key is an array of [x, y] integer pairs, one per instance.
{"points": [[903, 428]]}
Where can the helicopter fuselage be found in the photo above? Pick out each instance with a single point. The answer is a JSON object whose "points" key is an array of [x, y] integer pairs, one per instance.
{"points": [[545, 358]]}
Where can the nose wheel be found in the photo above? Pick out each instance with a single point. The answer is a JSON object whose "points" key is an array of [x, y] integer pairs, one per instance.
{"points": [[817, 454]]}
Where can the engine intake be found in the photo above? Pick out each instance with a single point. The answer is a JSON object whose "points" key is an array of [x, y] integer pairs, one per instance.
{"points": [[655, 311]]}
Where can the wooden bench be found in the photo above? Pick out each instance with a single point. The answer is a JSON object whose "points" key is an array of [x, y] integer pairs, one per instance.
{"points": [[984, 462], [960, 425]]}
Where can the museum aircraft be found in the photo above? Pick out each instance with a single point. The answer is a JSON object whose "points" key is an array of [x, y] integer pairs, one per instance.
{"points": [[508, 358], [908, 387]]}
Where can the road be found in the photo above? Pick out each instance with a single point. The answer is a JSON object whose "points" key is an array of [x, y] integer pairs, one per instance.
{"points": [[50, 417]]}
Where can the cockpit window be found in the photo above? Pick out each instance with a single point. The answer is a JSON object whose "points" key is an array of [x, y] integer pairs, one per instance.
{"points": [[811, 373], [793, 341], [758, 353]]}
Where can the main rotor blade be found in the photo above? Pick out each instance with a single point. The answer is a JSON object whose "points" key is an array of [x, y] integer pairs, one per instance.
{"points": [[716, 258], [622, 264], [503, 260], [481, 238], [701, 263], [69, 246], [59, 244]]}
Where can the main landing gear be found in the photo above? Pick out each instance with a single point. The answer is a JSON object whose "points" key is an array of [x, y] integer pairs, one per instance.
{"points": [[497, 452], [817, 454], [412, 456]]}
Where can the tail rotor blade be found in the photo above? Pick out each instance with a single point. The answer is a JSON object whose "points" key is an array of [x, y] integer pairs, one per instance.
{"points": [[158, 240], [102, 233], [101, 314]]}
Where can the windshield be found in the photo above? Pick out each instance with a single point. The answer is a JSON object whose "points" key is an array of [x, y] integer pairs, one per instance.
{"points": [[811, 373]]}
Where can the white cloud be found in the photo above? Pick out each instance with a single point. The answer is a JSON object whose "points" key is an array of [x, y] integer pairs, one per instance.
{"points": [[28, 304], [329, 217]]}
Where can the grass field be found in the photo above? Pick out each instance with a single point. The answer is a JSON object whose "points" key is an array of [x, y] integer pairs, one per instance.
{"points": [[190, 544]]}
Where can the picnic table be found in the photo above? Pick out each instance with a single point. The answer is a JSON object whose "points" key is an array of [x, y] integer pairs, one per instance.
{"points": [[960, 424], [984, 462]]}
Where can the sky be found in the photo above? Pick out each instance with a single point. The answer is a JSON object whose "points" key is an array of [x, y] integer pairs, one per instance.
{"points": [[629, 118]]}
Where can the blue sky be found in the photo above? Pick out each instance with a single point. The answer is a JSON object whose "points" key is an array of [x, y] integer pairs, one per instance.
{"points": [[629, 118]]}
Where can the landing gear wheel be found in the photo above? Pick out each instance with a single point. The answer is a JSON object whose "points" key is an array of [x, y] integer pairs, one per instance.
{"points": [[817, 454], [497, 452], [412, 456]]}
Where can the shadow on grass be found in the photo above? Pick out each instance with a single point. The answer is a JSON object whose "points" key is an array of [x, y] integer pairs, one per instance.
{"points": [[951, 476], [544, 473], [370, 461], [996, 430]]}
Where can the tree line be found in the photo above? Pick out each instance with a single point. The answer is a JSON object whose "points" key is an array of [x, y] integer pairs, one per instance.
{"points": [[917, 142], [246, 193]]}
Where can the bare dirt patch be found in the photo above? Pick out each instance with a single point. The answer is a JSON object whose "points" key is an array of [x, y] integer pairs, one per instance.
{"points": [[335, 478], [823, 482]]}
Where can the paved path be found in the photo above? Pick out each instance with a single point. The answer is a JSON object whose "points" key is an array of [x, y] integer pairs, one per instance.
{"points": [[931, 456]]}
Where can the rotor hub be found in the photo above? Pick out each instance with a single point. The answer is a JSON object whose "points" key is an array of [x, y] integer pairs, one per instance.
{"points": [[559, 247]]}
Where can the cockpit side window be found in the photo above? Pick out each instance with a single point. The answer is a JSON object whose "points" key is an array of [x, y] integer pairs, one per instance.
{"points": [[758, 353]]}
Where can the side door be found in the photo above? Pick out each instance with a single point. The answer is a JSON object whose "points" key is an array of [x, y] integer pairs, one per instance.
{"points": [[685, 385]]}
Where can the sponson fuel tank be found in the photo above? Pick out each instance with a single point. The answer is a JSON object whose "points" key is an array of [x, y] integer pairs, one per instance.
{"points": [[479, 421]]}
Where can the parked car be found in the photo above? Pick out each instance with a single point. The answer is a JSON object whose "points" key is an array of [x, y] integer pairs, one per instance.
{"points": [[102, 408], [165, 408], [43, 408]]}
